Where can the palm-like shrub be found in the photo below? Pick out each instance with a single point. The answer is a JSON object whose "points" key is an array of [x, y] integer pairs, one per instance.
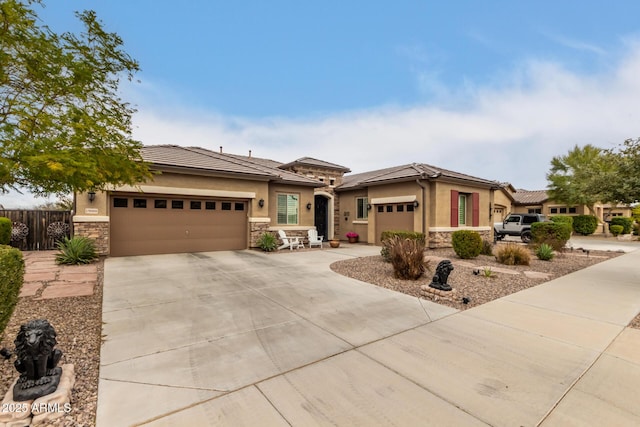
{"points": [[512, 254], [77, 250], [466, 243], [386, 235], [267, 242], [545, 252], [407, 257]]}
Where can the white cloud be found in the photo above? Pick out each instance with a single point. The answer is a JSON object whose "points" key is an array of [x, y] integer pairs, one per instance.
{"points": [[506, 132]]}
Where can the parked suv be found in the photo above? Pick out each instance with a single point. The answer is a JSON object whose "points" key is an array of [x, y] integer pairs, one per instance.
{"points": [[517, 225]]}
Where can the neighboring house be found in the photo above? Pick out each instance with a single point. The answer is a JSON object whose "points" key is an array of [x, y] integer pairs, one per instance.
{"points": [[538, 201], [202, 200]]}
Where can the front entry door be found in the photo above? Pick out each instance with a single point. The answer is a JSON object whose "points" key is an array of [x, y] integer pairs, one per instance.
{"points": [[321, 217]]}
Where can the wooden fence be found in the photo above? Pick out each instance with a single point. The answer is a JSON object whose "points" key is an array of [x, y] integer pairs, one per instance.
{"points": [[37, 223]]}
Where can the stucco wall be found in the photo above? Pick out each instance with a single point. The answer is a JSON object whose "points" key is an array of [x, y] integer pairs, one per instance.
{"points": [[441, 200], [347, 218]]}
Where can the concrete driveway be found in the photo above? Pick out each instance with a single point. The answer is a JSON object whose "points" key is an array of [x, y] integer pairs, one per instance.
{"points": [[245, 338], [181, 330]]}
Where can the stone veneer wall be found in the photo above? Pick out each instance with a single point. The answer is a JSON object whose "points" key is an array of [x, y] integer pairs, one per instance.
{"points": [[256, 229], [442, 239], [96, 231]]}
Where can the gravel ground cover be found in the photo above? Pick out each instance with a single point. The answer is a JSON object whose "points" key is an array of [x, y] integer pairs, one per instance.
{"points": [[78, 324], [479, 289]]}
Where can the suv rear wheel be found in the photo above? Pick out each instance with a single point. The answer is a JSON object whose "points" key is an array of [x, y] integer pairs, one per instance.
{"points": [[526, 236]]}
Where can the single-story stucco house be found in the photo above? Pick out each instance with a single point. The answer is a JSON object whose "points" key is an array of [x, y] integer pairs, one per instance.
{"points": [[203, 200]]}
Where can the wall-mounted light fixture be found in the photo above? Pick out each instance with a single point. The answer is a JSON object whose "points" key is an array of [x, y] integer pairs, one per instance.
{"points": [[416, 204], [261, 203], [368, 206], [309, 206], [92, 196]]}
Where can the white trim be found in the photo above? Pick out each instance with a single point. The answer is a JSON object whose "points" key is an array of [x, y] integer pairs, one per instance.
{"points": [[360, 222], [90, 218], [397, 199], [441, 229], [186, 191], [259, 219]]}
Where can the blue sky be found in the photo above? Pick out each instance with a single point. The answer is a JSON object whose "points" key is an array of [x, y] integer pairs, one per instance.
{"points": [[493, 89]]}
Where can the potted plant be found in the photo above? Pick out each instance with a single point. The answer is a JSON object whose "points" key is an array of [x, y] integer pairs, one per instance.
{"points": [[352, 236], [334, 243]]}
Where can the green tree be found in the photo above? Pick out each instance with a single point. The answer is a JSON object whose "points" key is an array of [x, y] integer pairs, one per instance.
{"points": [[622, 182], [575, 178], [63, 126]]}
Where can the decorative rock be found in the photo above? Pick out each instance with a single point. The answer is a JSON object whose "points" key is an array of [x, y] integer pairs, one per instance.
{"points": [[437, 294], [43, 409]]}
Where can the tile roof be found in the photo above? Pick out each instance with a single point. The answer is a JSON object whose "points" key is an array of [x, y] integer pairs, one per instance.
{"points": [[211, 161], [526, 197], [406, 173], [310, 161]]}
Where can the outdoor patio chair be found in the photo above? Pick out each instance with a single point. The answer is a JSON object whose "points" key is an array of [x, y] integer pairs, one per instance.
{"points": [[289, 242], [314, 239]]}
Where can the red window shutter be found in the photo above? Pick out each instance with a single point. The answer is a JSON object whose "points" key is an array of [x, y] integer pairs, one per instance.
{"points": [[475, 197], [454, 208]]}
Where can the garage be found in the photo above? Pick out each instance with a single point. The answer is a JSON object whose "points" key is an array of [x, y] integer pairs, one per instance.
{"points": [[146, 225], [394, 217]]}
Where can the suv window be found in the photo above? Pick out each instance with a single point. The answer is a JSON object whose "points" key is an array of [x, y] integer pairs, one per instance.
{"points": [[530, 219], [513, 218]]}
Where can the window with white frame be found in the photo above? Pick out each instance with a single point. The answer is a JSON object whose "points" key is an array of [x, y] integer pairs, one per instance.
{"points": [[462, 209], [288, 208], [361, 208]]}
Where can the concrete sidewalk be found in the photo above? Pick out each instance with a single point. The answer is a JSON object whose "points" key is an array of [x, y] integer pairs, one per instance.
{"points": [[245, 338]]}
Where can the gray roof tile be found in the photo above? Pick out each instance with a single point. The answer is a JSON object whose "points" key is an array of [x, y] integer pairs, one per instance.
{"points": [[207, 160], [405, 173]]}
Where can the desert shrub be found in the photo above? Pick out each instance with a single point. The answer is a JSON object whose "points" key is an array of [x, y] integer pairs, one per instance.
{"points": [[562, 219], [386, 235], [267, 242], [11, 278], [554, 234], [466, 243], [585, 224], [407, 257], [77, 250], [487, 248], [512, 254], [5, 230], [616, 230], [636, 229], [545, 252], [625, 222]]}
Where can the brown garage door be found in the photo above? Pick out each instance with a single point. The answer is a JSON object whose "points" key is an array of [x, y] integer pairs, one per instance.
{"points": [[393, 217], [142, 225]]}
